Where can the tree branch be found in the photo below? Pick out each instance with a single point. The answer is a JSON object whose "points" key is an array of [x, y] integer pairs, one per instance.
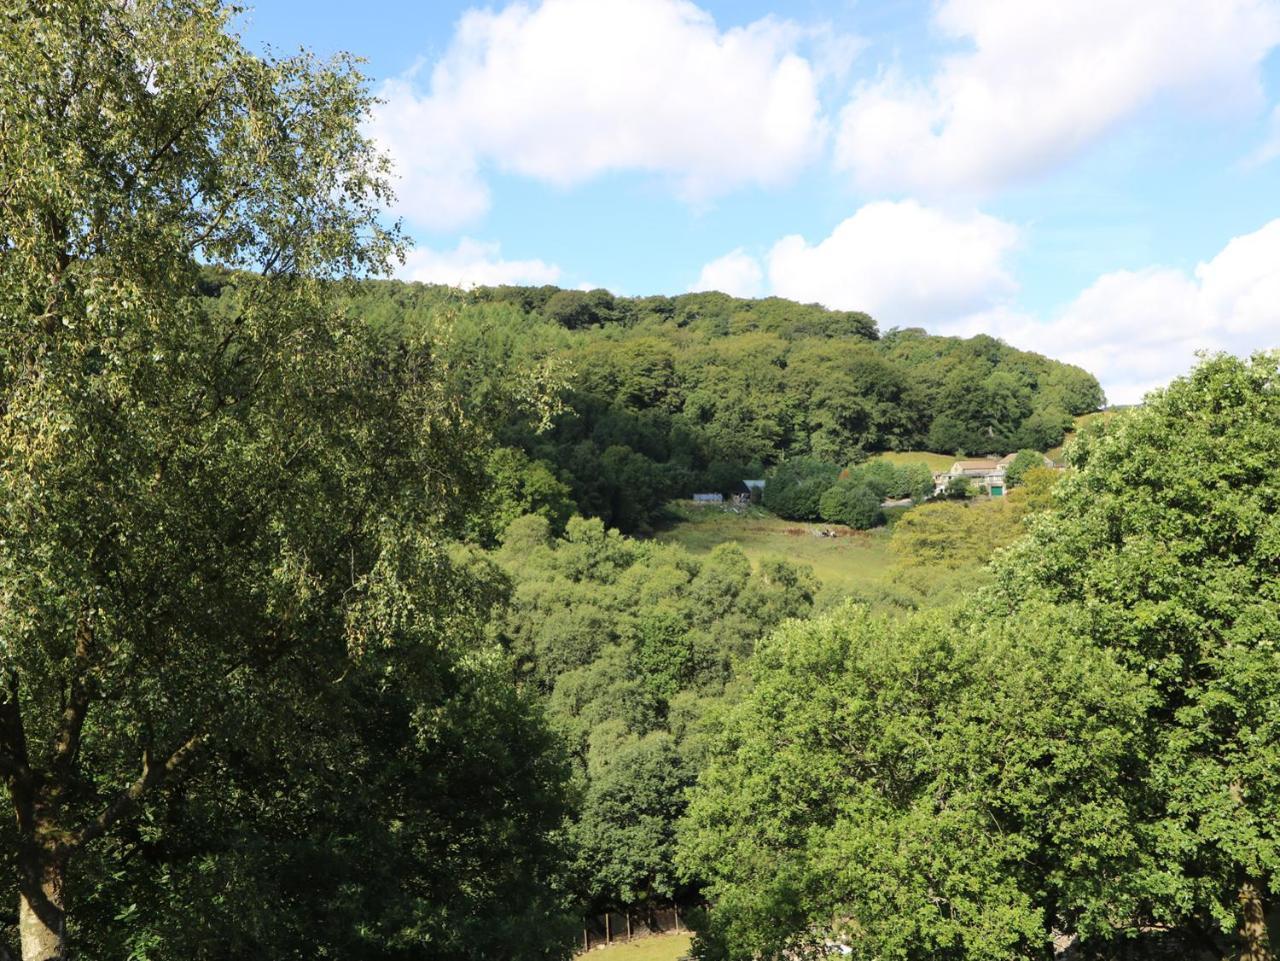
{"points": [[182, 129], [66, 744], [152, 775]]}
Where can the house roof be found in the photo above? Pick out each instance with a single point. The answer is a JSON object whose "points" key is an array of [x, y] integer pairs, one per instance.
{"points": [[975, 465]]}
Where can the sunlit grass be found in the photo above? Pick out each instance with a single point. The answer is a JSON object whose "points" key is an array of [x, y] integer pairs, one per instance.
{"points": [[851, 564], [657, 947]]}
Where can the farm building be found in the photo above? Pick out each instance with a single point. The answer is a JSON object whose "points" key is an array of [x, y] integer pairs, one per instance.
{"points": [[748, 491]]}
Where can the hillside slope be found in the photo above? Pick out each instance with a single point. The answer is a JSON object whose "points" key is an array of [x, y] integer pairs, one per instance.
{"points": [[664, 396]]}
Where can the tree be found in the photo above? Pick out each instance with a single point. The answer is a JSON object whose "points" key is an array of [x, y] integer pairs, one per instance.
{"points": [[224, 509], [1165, 538], [942, 550], [518, 486], [626, 835], [950, 435], [927, 787], [793, 488], [1025, 460], [915, 481], [580, 308], [851, 503], [633, 641], [1043, 428]]}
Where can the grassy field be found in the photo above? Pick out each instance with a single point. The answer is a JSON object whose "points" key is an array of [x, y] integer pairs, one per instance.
{"points": [[658, 947], [936, 462], [848, 564]]}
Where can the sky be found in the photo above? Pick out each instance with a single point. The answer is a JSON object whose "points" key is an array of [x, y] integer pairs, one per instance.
{"points": [[1097, 180]]}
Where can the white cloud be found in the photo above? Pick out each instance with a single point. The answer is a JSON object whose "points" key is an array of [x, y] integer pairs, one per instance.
{"points": [[571, 89], [1139, 329], [474, 263], [1043, 79], [736, 273], [904, 263]]}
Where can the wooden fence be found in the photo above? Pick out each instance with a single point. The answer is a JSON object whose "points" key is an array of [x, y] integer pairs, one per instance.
{"points": [[636, 922]]}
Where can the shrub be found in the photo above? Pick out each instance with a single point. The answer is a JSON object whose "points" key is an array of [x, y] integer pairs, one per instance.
{"points": [[851, 503]]}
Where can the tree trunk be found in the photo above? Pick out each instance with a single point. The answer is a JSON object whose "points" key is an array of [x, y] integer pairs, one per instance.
{"points": [[1255, 944], [41, 913]]}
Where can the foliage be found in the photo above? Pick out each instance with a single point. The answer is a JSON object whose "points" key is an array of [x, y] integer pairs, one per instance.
{"points": [[1025, 460], [242, 670], [958, 488], [892, 481], [631, 642], [915, 480], [852, 503], [626, 837], [517, 486], [794, 488], [926, 788], [941, 551], [1165, 543]]}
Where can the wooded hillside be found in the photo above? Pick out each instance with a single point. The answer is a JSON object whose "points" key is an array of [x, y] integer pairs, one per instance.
{"points": [[664, 396]]}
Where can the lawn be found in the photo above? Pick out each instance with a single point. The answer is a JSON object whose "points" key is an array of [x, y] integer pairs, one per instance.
{"points": [[657, 947], [847, 564]]}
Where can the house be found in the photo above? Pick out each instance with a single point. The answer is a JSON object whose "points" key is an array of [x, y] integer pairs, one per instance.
{"points": [[708, 498], [985, 473]]}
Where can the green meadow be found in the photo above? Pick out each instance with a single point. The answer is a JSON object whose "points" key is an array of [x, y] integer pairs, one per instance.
{"points": [[846, 564]]}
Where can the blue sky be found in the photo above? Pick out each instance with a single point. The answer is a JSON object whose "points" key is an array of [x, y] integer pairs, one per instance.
{"points": [[1098, 180]]}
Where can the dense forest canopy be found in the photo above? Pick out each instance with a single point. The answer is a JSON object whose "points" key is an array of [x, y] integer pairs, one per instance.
{"points": [[664, 396]]}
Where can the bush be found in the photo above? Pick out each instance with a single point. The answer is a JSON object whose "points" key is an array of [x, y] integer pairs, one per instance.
{"points": [[887, 480], [851, 503], [794, 487]]}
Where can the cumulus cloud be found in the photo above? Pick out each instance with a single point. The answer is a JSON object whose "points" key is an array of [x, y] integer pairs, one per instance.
{"points": [[1139, 329], [568, 90], [904, 263], [1043, 79], [736, 273], [474, 263]]}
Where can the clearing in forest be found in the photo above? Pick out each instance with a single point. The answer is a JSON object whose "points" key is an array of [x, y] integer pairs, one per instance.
{"points": [[848, 563]]}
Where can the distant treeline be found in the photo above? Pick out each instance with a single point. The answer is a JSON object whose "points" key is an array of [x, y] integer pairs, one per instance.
{"points": [[664, 396]]}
